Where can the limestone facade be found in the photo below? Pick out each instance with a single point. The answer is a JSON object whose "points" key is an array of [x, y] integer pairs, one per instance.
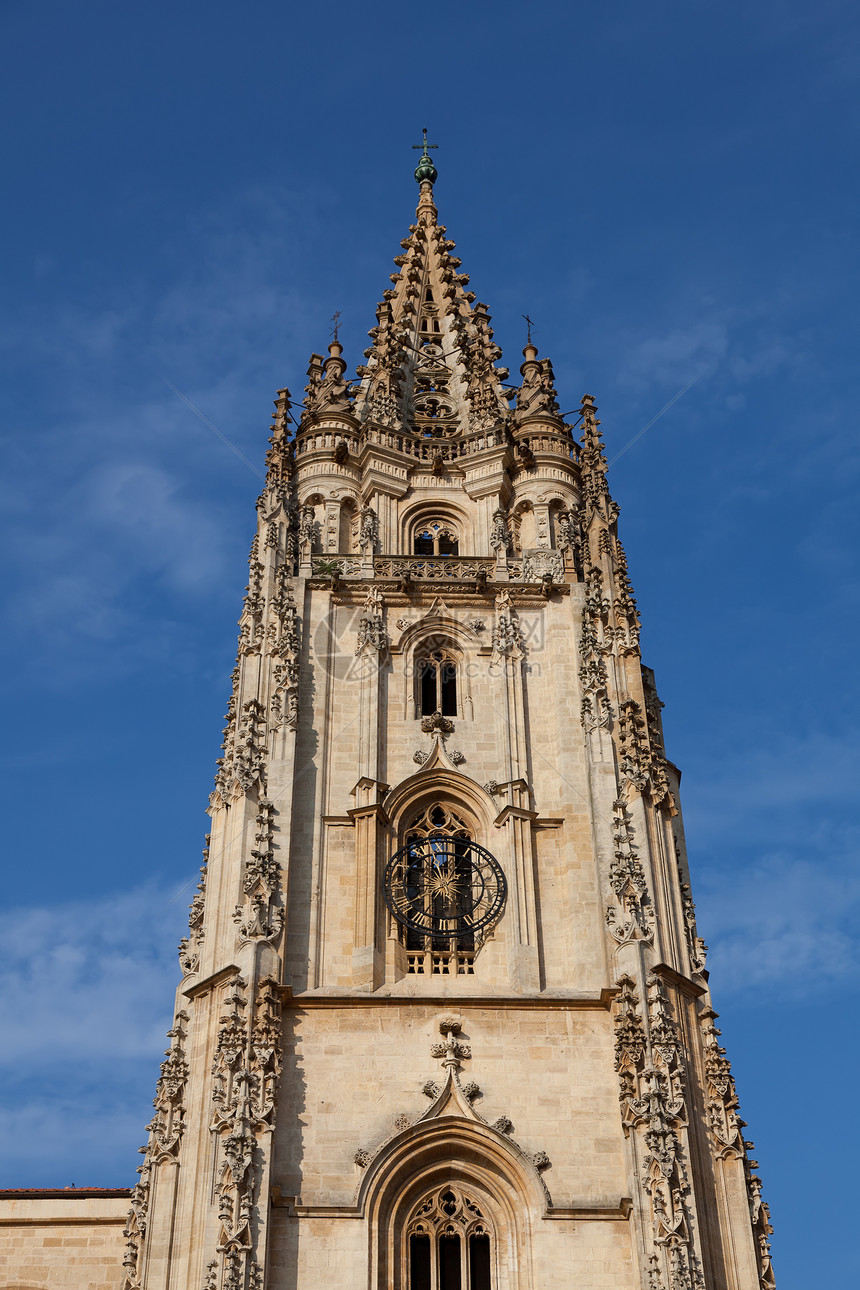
{"points": [[439, 632], [62, 1240]]}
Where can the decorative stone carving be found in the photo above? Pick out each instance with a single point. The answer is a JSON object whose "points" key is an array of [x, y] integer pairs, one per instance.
{"points": [[508, 639], [372, 633], [503, 1125], [500, 539], [457, 757], [696, 947], [653, 1106], [570, 536], [260, 917], [362, 1158], [369, 529], [189, 946], [285, 652], [245, 1079], [452, 1051], [165, 1131], [308, 527], [419, 756], [634, 752], [724, 1123], [244, 763], [437, 724], [593, 646], [727, 1142], [536, 397], [538, 565], [631, 917], [431, 1089], [541, 1161], [327, 393], [252, 619], [627, 625]]}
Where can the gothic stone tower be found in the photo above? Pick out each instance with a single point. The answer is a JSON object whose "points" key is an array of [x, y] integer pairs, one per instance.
{"points": [[444, 1019]]}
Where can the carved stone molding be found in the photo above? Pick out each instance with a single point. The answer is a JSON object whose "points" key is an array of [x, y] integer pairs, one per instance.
{"points": [[652, 1095], [631, 916]]}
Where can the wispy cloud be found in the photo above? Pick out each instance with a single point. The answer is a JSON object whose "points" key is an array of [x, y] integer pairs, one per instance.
{"points": [[784, 926], [86, 991], [141, 491], [775, 862], [97, 976]]}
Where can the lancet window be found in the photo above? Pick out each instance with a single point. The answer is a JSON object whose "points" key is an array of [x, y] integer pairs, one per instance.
{"points": [[434, 954], [436, 683], [439, 537], [449, 1243]]}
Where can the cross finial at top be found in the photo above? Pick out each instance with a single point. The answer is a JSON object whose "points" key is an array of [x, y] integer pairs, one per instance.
{"points": [[529, 325], [425, 145], [335, 318]]}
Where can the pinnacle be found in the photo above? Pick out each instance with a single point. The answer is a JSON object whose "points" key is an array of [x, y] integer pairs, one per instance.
{"points": [[431, 366]]}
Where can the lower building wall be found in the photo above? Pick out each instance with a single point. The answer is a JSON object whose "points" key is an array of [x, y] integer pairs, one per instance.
{"points": [[67, 1243]]}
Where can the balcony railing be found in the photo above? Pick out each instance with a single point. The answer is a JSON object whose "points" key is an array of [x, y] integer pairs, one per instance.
{"points": [[439, 568], [533, 567]]}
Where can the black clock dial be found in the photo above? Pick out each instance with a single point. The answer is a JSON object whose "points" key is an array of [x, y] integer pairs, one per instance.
{"points": [[444, 886]]}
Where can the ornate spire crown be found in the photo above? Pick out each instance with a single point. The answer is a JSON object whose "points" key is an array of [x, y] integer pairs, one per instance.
{"points": [[431, 368]]}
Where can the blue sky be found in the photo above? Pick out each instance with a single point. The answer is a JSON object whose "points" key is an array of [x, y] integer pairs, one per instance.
{"points": [[192, 190]]}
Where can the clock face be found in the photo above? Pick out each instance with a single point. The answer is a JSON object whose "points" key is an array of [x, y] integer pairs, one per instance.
{"points": [[444, 886]]}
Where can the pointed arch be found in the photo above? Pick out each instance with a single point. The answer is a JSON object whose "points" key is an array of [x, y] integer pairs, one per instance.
{"points": [[468, 1155], [437, 780]]}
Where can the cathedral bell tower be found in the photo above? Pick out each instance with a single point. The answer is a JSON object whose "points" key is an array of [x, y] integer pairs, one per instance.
{"points": [[444, 1020]]}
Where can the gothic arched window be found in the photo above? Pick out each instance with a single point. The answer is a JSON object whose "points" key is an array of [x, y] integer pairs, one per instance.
{"points": [[436, 683], [439, 537], [449, 1243]]}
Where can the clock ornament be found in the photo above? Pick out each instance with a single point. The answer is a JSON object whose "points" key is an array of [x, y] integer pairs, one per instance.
{"points": [[444, 886]]}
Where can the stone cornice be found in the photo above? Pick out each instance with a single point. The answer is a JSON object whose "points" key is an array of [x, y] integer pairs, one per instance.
{"points": [[683, 983], [211, 982], [600, 1002]]}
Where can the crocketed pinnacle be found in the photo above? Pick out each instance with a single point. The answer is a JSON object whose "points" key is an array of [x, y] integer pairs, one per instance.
{"points": [[592, 459], [536, 398], [431, 366]]}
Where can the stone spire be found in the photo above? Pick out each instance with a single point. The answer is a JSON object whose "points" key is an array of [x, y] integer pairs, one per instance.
{"points": [[432, 361]]}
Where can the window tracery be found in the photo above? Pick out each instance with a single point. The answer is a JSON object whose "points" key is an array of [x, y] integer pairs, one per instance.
{"points": [[435, 955], [439, 537], [449, 1242]]}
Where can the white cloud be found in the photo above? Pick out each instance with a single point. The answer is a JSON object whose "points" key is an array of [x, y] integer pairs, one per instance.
{"points": [[679, 355], [97, 976], [785, 926], [773, 858]]}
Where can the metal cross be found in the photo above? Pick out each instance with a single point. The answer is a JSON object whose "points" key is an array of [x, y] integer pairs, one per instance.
{"points": [[425, 145], [529, 325], [335, 318]]}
